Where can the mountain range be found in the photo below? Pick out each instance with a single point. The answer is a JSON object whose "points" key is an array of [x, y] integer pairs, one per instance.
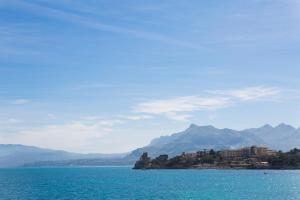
{"points": [[282, 137], [13, 155]]}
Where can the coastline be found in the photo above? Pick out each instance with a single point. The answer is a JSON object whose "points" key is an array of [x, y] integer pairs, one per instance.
{"points": [[249, 158]]}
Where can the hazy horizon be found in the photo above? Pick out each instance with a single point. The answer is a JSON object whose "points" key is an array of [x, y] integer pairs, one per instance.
{"points": [[108, 77], [166, 134]]}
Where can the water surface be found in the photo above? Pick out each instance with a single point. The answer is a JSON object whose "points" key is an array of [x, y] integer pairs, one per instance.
{"points": [[123, 183]]}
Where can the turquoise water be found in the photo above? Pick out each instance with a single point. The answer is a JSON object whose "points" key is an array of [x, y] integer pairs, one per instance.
{"points": [[120, 183]]}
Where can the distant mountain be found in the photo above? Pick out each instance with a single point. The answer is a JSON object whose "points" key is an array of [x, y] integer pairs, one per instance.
{"points": [[12, 155], [83, 162], [282, 137]]}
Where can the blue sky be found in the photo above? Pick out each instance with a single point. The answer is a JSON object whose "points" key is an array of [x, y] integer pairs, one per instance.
{"points": [[108, 76]]}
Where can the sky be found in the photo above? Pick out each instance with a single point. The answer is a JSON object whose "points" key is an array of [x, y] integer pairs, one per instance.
{"points": [[108, 76]]}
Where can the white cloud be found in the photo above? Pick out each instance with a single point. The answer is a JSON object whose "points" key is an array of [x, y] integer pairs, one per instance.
{"points": [[178, 117], [251, 93], [181, 104], [118, 119], [172, 107], [95, 86], [102, 121], [10, 121], [51, 116], [20, 101], [179, 108], [73, 136], [137, 117]]}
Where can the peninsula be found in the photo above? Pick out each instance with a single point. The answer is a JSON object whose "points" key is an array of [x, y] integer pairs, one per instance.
{"points": [[245, 158]]}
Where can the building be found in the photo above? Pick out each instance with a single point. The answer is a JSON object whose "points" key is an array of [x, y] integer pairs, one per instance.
{"points": [[162, 158], [247, 152]]}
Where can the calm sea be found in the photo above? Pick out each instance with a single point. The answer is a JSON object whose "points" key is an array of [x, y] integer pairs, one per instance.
{"points": [[120, 183]]}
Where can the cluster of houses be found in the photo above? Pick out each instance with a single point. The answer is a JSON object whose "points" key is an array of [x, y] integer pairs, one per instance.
{"points": [[247, 157], [248, 152], [252, 151]]}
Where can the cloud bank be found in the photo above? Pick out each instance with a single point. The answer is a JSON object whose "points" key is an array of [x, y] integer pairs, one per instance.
{"points": [[71, 136]]}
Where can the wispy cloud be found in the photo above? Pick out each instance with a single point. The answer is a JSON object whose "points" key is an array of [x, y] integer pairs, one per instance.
{"points": [[95, 86], [178, 117], [118, 119], [99, 25], [20, 101], [181, 104], [250, 93], [10, 121], [176, 107], [102, 121], [51, 116], [179, 108], [137, 117], [71, 136], [81, 135]]}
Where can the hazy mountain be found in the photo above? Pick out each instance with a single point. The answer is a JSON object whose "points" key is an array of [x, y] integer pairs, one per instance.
{"points": [[12, 155], [195, 138], [282, 137], [83, 162]]}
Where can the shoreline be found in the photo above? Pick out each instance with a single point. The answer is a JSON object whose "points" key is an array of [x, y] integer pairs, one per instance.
{"points": [[248, 158], [225, 169]]}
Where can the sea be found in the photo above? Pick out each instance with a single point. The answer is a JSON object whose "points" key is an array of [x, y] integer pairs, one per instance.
{"points": [[123, 183]]}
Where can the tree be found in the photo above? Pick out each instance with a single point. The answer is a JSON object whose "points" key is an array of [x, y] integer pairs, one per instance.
{"points": [[212, 152]]}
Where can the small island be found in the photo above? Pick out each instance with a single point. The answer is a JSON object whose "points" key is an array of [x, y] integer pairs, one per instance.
{"points": [[245, 158]]}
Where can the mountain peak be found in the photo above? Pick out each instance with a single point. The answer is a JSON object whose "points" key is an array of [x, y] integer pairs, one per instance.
{"points": [[285, 126], [193, 126], [267, 126]]}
